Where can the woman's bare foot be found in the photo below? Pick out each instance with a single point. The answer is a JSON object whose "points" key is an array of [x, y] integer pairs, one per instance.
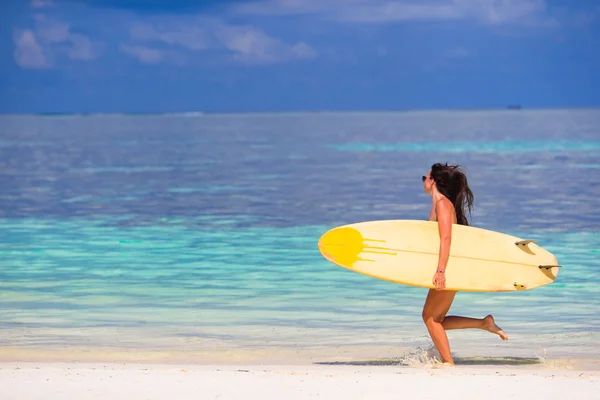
{"points": [[440, 364], [490, 325]]}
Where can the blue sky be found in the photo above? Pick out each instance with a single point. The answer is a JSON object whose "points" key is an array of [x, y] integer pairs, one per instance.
{"points": [[280, 55]]}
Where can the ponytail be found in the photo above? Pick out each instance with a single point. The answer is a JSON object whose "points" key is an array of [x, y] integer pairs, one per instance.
{"points": [[452, 183]]}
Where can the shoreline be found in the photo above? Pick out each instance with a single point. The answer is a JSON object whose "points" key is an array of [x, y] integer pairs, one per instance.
{"points": [[341, 357]]}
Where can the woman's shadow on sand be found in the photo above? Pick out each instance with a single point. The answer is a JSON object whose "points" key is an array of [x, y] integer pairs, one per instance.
{"points": [[457, 361]]}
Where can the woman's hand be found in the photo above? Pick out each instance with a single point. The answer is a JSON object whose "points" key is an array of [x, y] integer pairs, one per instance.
{"points": [[439, 280]]}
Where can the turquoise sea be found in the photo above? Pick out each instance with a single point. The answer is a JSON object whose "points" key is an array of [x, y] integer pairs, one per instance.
{"points": [[171, 237]]}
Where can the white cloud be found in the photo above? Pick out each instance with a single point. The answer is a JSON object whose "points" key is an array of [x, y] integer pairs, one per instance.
{"points": [[390, 12], [144, 54], [458, 52], [82, 48], [302, 50], [497, 12], [244, 43], [191, 37], [290, 7], [491, 12], [252, 45], [52, 31], [40, 3], [28, 52], [51, 38]]}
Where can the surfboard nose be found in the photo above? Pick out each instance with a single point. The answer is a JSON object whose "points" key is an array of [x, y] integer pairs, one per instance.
{"points": [[323, 248]]}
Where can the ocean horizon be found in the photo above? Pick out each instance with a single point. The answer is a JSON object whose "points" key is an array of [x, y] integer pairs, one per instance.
{"points": [[234, 112]]}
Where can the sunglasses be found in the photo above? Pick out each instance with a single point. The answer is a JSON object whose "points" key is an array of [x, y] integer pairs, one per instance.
{"points": [[423, 178]]}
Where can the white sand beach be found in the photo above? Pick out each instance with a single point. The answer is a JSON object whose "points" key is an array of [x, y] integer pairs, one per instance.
{"points": [[33, 380]]}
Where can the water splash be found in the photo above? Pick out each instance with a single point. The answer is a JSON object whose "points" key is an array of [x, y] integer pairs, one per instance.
{"points": [[421, 358]]}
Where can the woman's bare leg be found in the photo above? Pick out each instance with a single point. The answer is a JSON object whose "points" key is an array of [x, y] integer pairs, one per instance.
{"points": [[487, 324], [436, 306], [435, 309]]}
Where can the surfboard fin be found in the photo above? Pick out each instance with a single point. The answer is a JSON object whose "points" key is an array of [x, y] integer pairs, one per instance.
{"points": [[524, 243], [549, 266]]}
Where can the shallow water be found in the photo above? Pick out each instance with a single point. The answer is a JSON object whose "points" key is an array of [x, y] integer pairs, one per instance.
{"points": [[197, 234]]}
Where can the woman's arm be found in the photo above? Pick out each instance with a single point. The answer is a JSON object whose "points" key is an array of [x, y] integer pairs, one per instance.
{"points": [[444, 217]]}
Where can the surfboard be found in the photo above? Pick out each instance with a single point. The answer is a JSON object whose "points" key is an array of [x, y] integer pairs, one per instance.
{"points": [[406, 252]]}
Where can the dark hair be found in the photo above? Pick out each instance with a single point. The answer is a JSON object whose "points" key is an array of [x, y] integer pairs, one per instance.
{"points": [[452, 183]]}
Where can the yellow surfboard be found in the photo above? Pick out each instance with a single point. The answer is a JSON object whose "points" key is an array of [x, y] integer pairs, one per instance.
{"points": [[406, 252]]}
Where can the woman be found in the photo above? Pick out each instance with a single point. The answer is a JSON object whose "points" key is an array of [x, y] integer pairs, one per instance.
{"points": [[451, 197]]}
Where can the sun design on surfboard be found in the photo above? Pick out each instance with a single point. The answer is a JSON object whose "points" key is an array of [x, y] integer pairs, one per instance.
{"points": [[343, 246]]}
